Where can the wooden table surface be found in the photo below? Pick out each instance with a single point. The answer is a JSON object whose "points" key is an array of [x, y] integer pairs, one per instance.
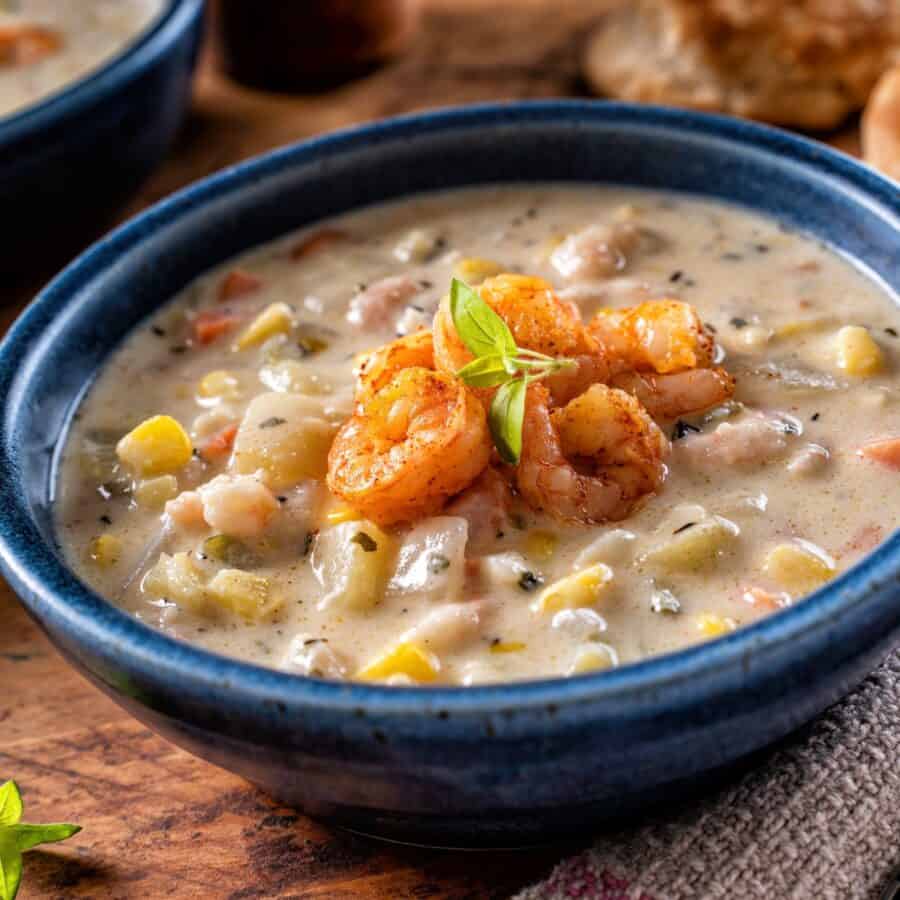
{"points": [[158, 822]]}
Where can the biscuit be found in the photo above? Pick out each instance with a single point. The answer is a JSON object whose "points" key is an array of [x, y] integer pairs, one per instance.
{"points": [[802, 63]]}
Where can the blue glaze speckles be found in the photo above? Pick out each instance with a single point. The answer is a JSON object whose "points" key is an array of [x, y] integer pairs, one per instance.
{"points": [[503, 764], [69, 160]]}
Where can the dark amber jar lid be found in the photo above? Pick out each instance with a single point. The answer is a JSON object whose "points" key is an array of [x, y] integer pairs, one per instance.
{"points": [[294, 45]]}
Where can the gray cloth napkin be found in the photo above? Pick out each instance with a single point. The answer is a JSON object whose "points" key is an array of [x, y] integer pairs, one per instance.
{"points": [[818, 819]]}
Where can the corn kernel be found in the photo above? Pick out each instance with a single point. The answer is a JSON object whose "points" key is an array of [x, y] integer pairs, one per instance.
{"points": [[582, 588], [540, 545], [857, 352], [342, 514], [157, 446], [799, 567], [243, 593], [593, 657], [696, 547], [474, 269], [153, 493], [713, 626], [507, 647], [405, 659], [218, 383], [105, 550], [274, 319]]}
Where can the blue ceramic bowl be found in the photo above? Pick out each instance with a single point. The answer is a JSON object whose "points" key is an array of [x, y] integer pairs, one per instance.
{"points": [[504, 764], [71, 159]]}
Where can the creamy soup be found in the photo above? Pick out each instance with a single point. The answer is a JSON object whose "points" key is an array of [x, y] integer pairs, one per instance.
{"points": [[47, 44], [283, 464]]}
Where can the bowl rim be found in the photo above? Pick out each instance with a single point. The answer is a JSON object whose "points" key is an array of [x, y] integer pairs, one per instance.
{"points": [[33, 568], [141, 52]]}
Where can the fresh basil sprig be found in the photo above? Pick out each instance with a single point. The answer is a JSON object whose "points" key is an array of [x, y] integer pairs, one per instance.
{"points": [[498, 363], [17, 837]]}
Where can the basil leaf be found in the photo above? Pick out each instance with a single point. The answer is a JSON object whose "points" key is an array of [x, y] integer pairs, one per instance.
{"points": [[10, 803], [506, 417], [15, 838], [484, 372], [482, 331], [10, 871], [28, 836]]}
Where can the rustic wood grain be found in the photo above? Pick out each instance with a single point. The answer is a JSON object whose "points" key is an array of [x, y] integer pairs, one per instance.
{"points": [[157, 822]]}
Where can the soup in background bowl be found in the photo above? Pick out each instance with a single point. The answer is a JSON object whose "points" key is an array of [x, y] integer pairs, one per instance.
{"points": [[503, 762], [46, 45]]}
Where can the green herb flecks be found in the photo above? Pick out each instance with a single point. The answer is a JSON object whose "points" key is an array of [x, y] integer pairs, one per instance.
{"points": [[16, 837], [498, 363]]}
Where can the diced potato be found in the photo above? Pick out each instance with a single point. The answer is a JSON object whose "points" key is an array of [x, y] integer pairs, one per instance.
{"points": [[158, 446], [176, 579], [857, 353], [248, 595], [508, 647], [405, 659], [799, 567], [754, 337], [105, 550], [431, 560], [582, 588], [474, 269], [277, 318], [218, 384], [613, 547], [352, 562], [416, 246], [504, 569], [290, 376], [712, 626], [286, 436], [593, 657], [153, 493], [541, 545], [696, 547]]}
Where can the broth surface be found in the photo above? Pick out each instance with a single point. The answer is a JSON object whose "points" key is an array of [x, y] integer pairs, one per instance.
{"points": [[48, 44], [766, 495]]}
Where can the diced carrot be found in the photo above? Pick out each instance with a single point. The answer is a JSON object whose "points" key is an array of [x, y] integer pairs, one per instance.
{"points": [[211, 324], [218, 446], [317, 241], [763, 599], [22, 45], [886, 452], [238, 283]]}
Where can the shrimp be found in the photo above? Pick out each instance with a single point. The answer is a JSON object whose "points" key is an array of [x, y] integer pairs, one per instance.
{"points": [[237, 505], [377, 367], [677, 393], [596, 252], [486, 506], [417, 441], [756, 440], [659, 336], [593, 460], [374, 305], [539, 321]]}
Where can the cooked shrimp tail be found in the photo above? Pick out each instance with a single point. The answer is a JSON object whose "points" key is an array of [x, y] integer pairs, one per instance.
{"points": [[593, 460], [414, 443], [678, 393]]}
